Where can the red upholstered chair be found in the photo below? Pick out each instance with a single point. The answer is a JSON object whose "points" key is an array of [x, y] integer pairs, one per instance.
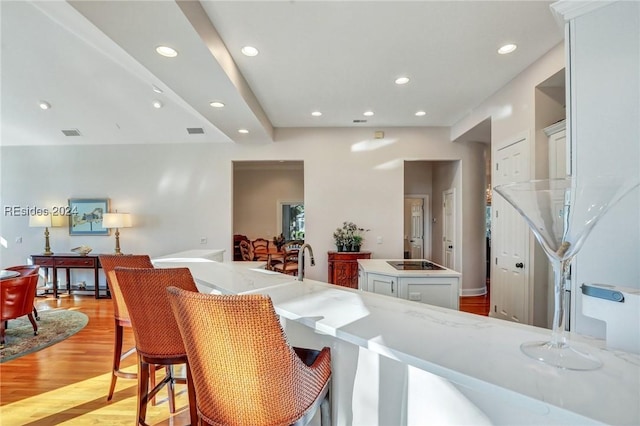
{"points": [[25, 270], [120, 313], [158, 339], [244, 371], [16, 299]]}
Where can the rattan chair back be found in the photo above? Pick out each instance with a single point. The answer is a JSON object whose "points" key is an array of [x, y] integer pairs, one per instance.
{"points": [[109, 262], [158, 339], [244, 371], [154, 326]]}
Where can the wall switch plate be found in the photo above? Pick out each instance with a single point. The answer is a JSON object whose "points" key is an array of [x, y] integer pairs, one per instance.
{"points": [[379, 240], [18, 240]]}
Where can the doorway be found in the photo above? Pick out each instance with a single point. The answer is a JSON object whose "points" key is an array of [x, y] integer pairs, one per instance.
{"points": [[417, 232], [265, 195], [449, 227]]}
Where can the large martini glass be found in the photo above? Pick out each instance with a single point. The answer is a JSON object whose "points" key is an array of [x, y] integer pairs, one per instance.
{"points": [[561, 214]]}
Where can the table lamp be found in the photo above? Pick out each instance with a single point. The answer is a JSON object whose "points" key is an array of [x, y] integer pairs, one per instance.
{"points": [[42, 221], [117, 221]]}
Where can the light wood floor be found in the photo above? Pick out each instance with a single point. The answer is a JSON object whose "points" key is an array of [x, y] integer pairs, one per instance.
{"points": [[67, 383]]}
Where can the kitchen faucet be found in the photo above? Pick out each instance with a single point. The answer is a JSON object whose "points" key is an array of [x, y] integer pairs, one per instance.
{"points": [[301, 260]]}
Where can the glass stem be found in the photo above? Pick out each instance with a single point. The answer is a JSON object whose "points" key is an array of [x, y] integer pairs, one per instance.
{"points": [[560, 270]]}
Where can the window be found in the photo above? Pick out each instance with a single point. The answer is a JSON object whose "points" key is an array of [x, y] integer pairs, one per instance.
{"points": [[292, 220]]}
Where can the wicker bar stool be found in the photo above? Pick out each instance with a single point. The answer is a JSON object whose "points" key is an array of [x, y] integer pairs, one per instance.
{"points": [[120, 313], [244, 371], [158, 339]]}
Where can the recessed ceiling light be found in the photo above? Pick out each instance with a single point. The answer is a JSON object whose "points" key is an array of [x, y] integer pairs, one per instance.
{"points": [[243, 131], [507, 48], [368, 113], [157, 104], [402, 80], [316, 113], [420, 113], [156, 89], [167, 51], [216, 104], [44, 104], [249, 51]]}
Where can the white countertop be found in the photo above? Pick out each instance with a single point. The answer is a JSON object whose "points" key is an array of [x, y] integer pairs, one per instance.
{"points": [[380, 266], [210, 254], [225, 277], [476, 352]]}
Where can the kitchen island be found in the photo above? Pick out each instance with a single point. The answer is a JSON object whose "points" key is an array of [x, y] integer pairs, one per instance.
{"points": [[398, 362], [417, 280]]}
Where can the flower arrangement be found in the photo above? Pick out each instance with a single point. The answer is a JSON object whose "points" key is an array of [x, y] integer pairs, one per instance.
{"points": [[279, 241], [349, 237]]}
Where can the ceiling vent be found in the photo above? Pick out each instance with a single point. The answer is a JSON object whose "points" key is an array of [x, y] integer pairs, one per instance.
{"points": [[359, 121], [195, 130], [71, 132]]}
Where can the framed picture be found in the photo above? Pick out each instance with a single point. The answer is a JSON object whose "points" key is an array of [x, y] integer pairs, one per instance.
{"points": [[85, 216]]}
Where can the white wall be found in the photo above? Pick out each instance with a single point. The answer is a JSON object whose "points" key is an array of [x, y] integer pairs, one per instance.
{"points": [[512, 108], [180, 193]]}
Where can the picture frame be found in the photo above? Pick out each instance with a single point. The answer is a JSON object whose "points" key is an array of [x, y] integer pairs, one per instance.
{"points": [[85, 216]]}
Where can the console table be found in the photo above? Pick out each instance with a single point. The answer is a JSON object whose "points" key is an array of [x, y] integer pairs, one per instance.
{"points": [[70, 261]]}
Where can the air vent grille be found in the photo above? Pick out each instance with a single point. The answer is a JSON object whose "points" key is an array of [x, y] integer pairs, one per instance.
{"points": [[195, 130], [71, 132], [359, 121]]}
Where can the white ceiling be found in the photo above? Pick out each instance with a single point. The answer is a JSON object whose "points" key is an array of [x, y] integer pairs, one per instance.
{"points": [[95, 63]]}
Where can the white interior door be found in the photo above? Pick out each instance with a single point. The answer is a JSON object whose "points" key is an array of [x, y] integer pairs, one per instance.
{"points": [[558, 158], [416, 236], [510, 239], [449, 227]]}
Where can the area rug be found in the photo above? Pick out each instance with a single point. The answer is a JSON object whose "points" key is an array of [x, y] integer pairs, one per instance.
{"points": [[53, 327]]}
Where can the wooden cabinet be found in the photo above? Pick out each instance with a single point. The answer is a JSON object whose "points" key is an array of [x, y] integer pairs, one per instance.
{"points": [[343, 267]]}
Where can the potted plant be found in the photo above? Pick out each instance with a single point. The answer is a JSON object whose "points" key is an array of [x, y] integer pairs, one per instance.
{"points": [[349, 237], [339, 238]]}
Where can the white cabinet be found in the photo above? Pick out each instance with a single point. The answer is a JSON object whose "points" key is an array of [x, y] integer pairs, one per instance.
{"points": [[382, 284], [437, 291], [437, 287]]}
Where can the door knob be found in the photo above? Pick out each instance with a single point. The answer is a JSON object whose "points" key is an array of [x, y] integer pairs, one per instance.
{"points": [[519, 265]]}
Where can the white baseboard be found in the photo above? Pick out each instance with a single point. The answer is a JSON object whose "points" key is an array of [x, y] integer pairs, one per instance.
{"points": [[468, 292]]}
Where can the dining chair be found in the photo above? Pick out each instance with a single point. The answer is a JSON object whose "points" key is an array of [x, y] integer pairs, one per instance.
{"points": [[244, 370], [158, 339], [246, 250], [17, 296], [260, 248], [287, 263], [121, 317]]}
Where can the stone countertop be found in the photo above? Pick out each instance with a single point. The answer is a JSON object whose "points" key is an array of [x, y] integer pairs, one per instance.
{"points": [[380, 266], [479, 353]]}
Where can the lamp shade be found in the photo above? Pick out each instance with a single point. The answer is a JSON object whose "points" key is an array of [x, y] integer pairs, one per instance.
{"points": [[40, 221], [58, 221], [116, 220]]}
